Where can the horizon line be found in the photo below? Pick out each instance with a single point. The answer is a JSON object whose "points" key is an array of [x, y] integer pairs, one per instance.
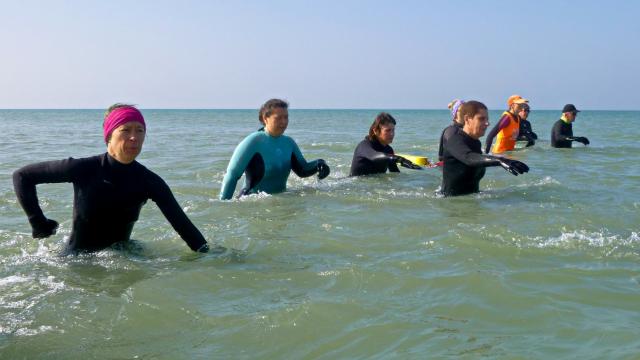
{"points": [[331, 109]]}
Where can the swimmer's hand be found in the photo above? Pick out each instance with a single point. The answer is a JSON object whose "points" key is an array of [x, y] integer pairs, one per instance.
{"points": [[44, 229], [515, 167], [406, 163], [580, 139], [323, 169], [216, 249]]}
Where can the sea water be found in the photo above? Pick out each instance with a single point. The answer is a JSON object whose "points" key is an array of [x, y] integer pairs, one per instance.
{"points": [[542, 265]]}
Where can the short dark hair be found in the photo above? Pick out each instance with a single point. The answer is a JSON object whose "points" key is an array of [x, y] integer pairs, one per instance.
{"points": [[382, 119], [471, 108], [268, 107]]}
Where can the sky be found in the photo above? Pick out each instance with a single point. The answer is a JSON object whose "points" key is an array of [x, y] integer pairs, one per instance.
{"points": [[319, 54]]}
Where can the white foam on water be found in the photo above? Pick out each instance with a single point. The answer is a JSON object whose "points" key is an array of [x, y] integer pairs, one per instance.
{"points": [[591, 239], [14, 279]]}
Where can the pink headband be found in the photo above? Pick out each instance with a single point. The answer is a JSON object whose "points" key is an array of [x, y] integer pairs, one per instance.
{"points": [[121, 116]]}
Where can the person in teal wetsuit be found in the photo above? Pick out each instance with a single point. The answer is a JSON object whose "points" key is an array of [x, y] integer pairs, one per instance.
{"points": [[267, 156]]}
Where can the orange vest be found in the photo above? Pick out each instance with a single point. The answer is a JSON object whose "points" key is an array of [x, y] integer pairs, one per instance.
{"points": [[506, 139]]}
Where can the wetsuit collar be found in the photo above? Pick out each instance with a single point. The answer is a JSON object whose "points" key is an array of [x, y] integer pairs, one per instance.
{"points": [[117, 164]]}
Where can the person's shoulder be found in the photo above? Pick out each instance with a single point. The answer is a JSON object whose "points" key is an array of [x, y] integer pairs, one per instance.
{"points": [[90, 161], [148, 175], [253, 138], [451, 129], [287, 138]]}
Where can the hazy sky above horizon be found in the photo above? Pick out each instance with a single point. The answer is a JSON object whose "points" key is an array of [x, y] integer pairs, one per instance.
{"points": [[329, 54]]}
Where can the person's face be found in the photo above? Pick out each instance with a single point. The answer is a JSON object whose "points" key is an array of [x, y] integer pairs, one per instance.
{"points": [[385, 134], [126, 142], [476, 126], [523, 113], [571, 116], [276, 123]]}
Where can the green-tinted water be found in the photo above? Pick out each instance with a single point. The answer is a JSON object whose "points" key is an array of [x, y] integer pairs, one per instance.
{"points": [[543, 265]]}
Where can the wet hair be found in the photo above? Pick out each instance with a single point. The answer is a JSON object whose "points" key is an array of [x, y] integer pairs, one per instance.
{"points": [[471, 108], [382, 119], [267, 108]]}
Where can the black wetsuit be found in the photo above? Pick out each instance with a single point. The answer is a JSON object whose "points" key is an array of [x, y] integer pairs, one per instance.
{"points": [[371, 157], [560, 133], [108, 197], [446, 133], [464, 165], [526, 132]]}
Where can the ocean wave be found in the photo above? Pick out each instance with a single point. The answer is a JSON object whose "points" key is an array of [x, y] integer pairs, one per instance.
{"points": [[612, 244]]}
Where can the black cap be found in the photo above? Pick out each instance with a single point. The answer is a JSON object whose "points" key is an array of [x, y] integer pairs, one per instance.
{"points": [[569, 108]]}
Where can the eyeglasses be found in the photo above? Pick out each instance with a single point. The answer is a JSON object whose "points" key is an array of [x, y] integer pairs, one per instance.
{"points": [[574, 113]]}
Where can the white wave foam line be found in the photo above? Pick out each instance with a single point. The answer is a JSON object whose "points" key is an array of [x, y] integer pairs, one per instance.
{"points": [[547, 180], [254, 197], [14, 279], [591, 239]]}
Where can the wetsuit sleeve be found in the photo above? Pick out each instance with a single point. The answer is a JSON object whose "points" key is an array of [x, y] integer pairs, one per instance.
{"points": [[461, 151], [237, 165], [161, 194], [26, 178], [372, 155], [299, 165], [440, 148], [557, 132], [504, 121], [446, 134]]}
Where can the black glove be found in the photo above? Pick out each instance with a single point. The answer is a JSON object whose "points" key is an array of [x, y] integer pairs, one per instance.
{"points": [[217, 249], [406, 163], [580, 139], [323, 169], [44, 229], [515, 167]]}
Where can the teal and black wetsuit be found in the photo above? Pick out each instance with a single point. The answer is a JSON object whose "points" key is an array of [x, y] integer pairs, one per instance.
{"points": [[267, 162]]}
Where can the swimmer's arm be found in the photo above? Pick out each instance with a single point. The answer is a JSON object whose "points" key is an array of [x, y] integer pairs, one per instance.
{"points": [[237, 165], [369, 153], [557, 131], [161, 194], [504, 121], [26, 178], [299, 164], [461, 151]]}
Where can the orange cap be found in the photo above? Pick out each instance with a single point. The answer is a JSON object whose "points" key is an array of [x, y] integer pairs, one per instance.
{"points": [[516, 99]]}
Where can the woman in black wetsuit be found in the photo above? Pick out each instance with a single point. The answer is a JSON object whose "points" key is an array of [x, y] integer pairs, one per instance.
{"points": [[109, 190], [373, 155], [464, 162]]}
